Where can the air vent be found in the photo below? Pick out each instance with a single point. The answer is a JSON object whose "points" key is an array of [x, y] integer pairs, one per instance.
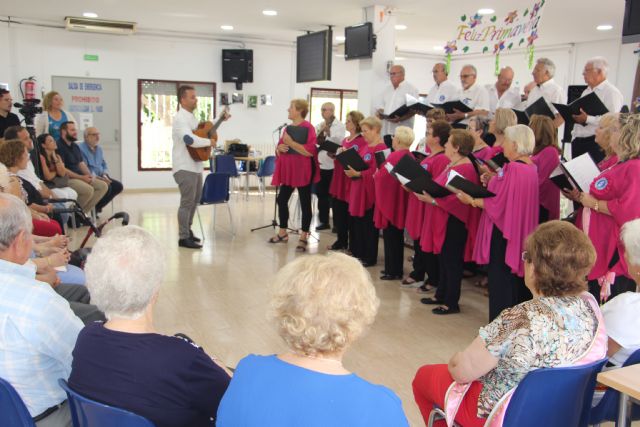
{"points": [[99, 26]]}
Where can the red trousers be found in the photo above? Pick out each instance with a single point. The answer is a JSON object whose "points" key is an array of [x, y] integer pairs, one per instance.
{"points": [[429, 387], [46, 228]]}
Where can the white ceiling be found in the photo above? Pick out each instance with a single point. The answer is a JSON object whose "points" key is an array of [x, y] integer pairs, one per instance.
{"points": [[429, 22]]}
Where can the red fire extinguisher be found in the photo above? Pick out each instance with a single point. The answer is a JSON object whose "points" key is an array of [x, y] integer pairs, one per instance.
{"points": [[29, 87]]}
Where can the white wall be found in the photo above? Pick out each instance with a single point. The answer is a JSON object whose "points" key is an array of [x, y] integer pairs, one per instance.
{"points": [[45, 52]]}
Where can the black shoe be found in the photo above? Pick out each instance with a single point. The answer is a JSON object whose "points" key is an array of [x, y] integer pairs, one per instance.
{"points": [[367, 264], [322, 227], [188, 243], [334, 230], [391, 277], [444, 310], [337, 246], [431, 301], [193, 237]]}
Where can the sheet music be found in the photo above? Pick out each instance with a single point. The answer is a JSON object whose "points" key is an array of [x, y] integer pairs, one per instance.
{"points": [[583, 170], [452, 174], [403, 180], [388, 167]]}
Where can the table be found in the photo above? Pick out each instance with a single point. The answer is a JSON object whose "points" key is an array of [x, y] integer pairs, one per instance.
{"points": [[247, 160], [627, 381]]}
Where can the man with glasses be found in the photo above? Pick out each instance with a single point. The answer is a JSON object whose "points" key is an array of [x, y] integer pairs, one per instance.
{"points": [[443, 91], [393, 97], [584, 132], [472, 95], [94, 158]]}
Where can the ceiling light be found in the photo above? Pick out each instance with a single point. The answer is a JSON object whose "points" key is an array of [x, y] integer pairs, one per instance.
{"points": [[269, 12], [399, 58], [340, 55], [227, 27], [604, 27], [401, 27], [90, 15], [340, 38], [438, 48], [485, 11]]}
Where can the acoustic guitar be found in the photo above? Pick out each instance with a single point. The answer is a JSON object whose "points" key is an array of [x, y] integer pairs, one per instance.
{"points": [[207, 130]]}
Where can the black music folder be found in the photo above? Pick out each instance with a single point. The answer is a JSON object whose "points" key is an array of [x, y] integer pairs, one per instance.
{"points": [[578, 173], [497, 162], [425, 183], [408, 167], [299, 134], [419, 155], [591, 104], [329, 146], [400, 112], [351, 158], [381, 156], [458, 182], [448, 107], [539, 107]]}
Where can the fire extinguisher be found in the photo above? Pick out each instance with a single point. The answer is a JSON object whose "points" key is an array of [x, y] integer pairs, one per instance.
{"points": [[28, 87]]}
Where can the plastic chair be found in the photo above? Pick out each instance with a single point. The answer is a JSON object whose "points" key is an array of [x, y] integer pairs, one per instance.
{"points": [[550, 397], [226, 164], [607, 408], [215, 192], [89, 413], [13, 412], [266, 169]]}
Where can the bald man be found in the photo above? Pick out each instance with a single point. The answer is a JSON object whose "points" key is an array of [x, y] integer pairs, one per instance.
{"points": [[393, 97], [501, 94], [473, 95], [443, 91], [94, 158]]}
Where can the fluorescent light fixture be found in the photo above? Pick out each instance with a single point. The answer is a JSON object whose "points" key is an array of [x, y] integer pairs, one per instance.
{"points": [[268, 12], [485, 11], [399, 58], [227, 27], [340, 38], [90, 15], [604, 27], [340, 55], [438, 48], [401, 27]]}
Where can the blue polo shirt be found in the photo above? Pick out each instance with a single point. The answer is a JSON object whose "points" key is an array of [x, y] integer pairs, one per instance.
{"points": [[94, 159]]}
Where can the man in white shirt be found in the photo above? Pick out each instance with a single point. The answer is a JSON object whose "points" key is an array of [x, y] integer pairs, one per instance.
{"points": [[472, 95], [545, 87], [443, 91], [187, 172], [330, 129], [393, 97], [584, 131], [501, 94]]}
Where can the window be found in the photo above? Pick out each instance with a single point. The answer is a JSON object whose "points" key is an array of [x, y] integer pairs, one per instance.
{"points": [[157, 104], [344, 100]]}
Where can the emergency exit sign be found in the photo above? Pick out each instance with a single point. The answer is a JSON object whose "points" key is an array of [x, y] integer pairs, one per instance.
{"points": [[88, 57]]}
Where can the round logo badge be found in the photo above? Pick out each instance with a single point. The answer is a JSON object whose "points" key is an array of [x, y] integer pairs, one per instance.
{"points": [[601, 184], [355, 147], [425, 166], [442, 98], [367, 157]]}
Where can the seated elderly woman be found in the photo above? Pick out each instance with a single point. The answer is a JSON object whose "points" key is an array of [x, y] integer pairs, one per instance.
{"points": [[125, 362], [321, 305], [557, 327]]}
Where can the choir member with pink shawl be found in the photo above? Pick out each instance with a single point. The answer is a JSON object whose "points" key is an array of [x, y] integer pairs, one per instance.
{"points": [[502, 119], [481, 150], [507, 219], [339, 188], [454, 226], [418, 222], [546, 156], [364, 234]]}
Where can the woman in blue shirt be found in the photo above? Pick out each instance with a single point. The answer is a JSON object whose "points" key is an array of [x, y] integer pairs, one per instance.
{"points": [[321, 305], [53, 116]]}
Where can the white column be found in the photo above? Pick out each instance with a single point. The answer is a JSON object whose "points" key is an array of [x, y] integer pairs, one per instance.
{"points": [[372, 76]]}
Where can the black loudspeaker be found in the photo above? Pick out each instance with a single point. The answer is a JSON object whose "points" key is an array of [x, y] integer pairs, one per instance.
{"points": [[631, 22], [237, 66], [573, 92]]}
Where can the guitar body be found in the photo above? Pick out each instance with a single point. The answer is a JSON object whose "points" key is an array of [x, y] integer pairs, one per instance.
{"points": [[206, 130]]}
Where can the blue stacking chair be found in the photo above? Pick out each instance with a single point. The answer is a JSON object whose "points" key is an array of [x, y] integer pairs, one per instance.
{"points": [[226, 164], [550, 397], [89, 413], [607, 408], [266, 169], [13, 412], [216, 192]]}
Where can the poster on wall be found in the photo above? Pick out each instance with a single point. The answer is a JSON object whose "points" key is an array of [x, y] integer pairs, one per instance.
{"points": [[252, 101], [266, 100]]}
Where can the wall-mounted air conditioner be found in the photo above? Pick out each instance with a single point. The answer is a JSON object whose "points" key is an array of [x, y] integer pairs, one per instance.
{"points": [[92, 25]]}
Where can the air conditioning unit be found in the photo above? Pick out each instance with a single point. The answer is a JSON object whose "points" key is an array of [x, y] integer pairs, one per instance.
{"points": [[92, 25]]}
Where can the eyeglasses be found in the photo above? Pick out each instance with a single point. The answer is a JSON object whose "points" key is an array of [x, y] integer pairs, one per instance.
{"points": [[396, 73], [466, 76]]}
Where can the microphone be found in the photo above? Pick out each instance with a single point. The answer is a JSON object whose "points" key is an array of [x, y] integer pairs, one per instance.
{"points": [[279, 128]]}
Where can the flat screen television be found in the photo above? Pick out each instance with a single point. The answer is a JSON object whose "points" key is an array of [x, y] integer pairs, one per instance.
{"points": [[359, 41], [314, 57], [631, 23]]}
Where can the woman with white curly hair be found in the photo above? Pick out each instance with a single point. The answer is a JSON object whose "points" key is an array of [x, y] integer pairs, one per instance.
{"points": [[320, 304]]}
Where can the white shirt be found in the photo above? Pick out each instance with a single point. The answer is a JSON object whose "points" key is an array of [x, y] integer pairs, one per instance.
{"points": [[29, 174], [337, 133], [551, 92], [441, 93], [610, 96], [184, 123], [392, 99], [623, 324], [475, 97], [509, 99]]}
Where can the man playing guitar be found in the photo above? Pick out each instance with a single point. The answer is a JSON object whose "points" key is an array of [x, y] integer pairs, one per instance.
{"points": [[187, 172]]}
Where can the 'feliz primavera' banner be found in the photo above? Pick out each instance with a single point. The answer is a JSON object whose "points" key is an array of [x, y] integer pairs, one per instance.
{"points": [[486, 33]]}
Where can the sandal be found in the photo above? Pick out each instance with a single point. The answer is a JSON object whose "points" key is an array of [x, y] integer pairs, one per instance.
{"points": [[445, 310], [279, 239], [431, 301], [302, 246]]}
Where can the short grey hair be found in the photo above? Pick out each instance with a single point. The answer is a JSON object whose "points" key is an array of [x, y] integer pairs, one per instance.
{"points": [[444, 67], [523, 138], [14, 219], [599, 63], [548, 65], [124, 271], [475, 70], [630, 236]]}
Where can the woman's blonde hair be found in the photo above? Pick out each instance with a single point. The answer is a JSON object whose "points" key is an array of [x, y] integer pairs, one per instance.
{"points": [[436, 114], [356, 118], [504, 118], [544, 131], [404, 135], [48, 99], [372, 122], [301, 105], [322, 303], [628, 146]]}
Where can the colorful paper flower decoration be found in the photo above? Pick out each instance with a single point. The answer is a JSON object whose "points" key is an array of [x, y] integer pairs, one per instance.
{"points": [[498, 47], [475, 20], [532, 38], [535, 10], [450, 47], [511, 17]]}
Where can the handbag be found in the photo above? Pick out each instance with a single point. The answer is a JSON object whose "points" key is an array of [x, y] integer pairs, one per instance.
{"points": [[58, 182]]}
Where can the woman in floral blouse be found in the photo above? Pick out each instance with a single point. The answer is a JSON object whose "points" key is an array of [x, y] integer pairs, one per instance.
{"points": [[555, 328]]}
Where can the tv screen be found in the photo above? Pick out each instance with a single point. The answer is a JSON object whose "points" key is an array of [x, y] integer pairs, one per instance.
{"points": [[358, 41], [314, 57], [631, 23]]}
